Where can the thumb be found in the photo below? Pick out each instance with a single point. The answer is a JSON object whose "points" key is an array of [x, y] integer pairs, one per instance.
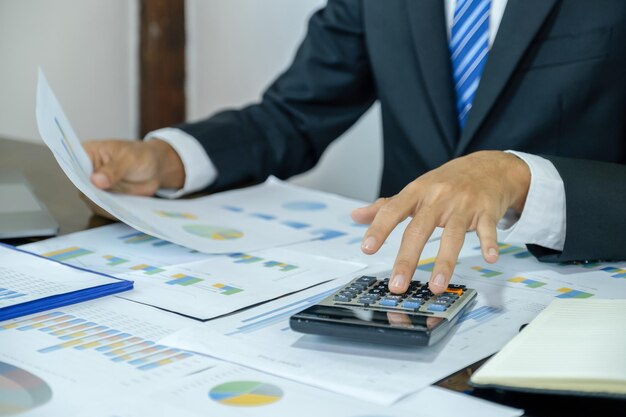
{"points": [[108, 174], [110, 161]]}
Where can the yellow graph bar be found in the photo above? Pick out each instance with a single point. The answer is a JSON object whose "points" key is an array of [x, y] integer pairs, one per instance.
{"points": [[60, 252]]}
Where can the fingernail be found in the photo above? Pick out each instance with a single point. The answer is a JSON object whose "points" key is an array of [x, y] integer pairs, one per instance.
{"points": [[397, 282], [369, 243], [439, 282], [492, 252]]}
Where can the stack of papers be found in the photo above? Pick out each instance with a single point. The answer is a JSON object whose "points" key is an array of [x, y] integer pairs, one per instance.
{"points": [[197, 285]]}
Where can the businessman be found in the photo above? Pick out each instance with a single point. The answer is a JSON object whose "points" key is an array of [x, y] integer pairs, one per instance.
{"points": [[496, 114]]}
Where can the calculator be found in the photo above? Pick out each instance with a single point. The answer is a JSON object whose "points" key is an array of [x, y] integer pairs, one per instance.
{"points": [[365, 310]]}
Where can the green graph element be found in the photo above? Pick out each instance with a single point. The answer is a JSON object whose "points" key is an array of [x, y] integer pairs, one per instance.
{"points": [[246, 393], [212, 232]]}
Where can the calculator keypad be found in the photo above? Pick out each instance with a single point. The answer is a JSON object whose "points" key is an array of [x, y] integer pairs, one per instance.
{"points": [[371, 292]]}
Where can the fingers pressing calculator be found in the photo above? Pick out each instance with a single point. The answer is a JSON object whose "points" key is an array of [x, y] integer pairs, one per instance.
{"points": [[365, 310]]}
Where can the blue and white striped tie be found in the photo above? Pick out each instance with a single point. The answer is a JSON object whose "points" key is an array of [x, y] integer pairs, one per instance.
{"points": [[469, 47]]}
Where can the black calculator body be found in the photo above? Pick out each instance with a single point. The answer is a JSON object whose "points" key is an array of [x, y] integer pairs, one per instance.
{"points": [[364, 310]]}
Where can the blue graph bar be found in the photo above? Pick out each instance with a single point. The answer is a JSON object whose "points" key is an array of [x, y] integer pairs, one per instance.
{"points": [[327, 234], [233, 209], [11, 294], [480, 314], [263, 216], [296, 225]]}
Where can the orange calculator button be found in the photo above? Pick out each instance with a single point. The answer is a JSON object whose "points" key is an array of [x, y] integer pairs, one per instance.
{"points": [[457, 291]]}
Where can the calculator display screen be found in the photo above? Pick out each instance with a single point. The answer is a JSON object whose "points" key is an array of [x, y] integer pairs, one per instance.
{"points": [[369, 317]]}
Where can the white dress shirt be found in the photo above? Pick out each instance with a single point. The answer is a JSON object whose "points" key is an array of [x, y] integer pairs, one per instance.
{"points": [[542, 222]]}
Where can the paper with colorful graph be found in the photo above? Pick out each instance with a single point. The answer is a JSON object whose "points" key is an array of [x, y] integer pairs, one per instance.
{"points": [[188, 282], [191, 223]]}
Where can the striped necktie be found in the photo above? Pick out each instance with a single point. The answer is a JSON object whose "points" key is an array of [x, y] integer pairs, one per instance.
{"points": [[469, 47]]}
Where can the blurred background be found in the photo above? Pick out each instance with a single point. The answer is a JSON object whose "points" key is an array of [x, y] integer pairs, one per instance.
{"points": [[123, 67]]}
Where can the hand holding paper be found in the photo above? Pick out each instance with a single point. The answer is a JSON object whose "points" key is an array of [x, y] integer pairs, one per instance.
{"points": [[197, 224]]}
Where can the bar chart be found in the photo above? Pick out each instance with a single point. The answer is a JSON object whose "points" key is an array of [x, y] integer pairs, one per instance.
{"points": [[67, 254], [71, 332]]}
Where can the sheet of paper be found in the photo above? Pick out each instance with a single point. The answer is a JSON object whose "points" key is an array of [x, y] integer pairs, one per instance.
{"points": [[325, 217], [230, 390], [439, 401], [189, 222], [227, 283], [27, 390], [177, 279], [100, 359], [107, 344], [262, 339], [24, 278], [114, 249], [518, 272]]}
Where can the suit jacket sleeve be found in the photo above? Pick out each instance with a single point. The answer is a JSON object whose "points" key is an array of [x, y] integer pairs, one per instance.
{"points": [[324, 91], [595, 199]]}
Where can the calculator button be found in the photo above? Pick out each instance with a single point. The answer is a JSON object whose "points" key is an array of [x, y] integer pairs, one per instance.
{"points": [[412, 304], [424, 295], [342, 298], [437, 307], [456, 291], [358, 287], [388, 302], [366, 300], [366, 280], [457, 286], [372, 296]]}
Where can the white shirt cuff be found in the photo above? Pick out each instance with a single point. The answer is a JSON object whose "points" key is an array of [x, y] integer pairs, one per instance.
{"points": [[200, 172], [543, 220]]}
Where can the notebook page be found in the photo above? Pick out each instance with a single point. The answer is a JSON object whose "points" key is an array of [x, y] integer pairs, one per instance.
{"points": [[575, 341]]}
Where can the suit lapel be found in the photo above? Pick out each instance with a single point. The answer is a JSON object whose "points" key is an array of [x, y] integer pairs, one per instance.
{"points": [[428, 25], [521, 21]]}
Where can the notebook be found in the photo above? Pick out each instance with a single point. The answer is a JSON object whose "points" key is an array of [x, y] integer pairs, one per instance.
{"points": [[21, 212], [575, 346]]}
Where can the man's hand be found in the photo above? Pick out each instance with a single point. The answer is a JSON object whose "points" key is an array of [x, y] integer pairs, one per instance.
{"points": [[468, 193], [135, 167]]}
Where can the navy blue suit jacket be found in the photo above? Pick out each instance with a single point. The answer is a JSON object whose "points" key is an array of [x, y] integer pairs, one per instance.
{"points": [[554, 84]]}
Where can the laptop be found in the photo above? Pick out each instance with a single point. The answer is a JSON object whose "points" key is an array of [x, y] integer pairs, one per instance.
{"points": [[21, 212]]}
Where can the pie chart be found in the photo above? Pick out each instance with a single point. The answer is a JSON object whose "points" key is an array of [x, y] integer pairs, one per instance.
{"points": [[212, 232], [304, 205], [20, 390], [246, 393]]}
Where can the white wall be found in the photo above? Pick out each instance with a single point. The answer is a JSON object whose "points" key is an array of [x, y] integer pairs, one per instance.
{"points": [[87, 49], [237, 47]]}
